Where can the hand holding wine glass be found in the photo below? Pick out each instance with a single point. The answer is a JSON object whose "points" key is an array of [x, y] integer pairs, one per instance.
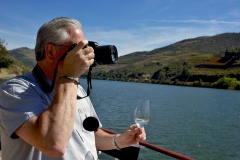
{"points": [[142, 114]]}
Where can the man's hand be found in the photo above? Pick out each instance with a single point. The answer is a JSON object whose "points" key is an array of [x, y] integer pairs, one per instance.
{"points": [[78, 60], [131, 136]]}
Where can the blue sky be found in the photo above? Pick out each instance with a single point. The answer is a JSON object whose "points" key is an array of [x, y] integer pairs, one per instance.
{"points": [[137, 25]]}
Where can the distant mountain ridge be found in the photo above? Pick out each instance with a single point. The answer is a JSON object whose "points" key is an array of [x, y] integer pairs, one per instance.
{"points": [[195, 50], [205, 44], [25, 55], [200, 61]]}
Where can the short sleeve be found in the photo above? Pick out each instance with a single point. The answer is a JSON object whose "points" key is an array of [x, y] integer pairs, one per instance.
{"points": [[19, 101]]}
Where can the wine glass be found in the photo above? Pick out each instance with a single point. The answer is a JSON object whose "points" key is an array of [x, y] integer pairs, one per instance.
{"points": [[142, 115]]}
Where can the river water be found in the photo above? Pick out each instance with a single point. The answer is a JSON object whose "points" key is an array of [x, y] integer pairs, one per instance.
{"points": [[201, 123]]}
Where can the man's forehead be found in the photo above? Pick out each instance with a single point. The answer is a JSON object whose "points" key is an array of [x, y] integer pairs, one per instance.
{"points": [[76, 35]]}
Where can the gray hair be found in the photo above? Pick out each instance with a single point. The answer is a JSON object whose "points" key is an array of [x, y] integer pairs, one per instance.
{"points": [[55, 32]]}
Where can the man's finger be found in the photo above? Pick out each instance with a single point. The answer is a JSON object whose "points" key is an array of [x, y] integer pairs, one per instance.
{"points": [[133, 127], [80, 46]]}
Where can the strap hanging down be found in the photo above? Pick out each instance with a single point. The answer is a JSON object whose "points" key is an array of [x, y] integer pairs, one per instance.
{"points": [[42, 80], [89, 82]]}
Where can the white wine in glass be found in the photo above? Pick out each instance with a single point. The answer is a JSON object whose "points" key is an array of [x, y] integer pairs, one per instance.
{"points": [[142, 114]]}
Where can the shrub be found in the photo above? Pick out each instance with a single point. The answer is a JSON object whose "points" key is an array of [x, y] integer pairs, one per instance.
{"points": [[227, 83], [5, 61]]}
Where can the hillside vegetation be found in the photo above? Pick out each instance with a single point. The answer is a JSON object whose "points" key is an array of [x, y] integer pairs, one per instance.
{"points": [[25, 55], [10, 66], [202, 61], [208, 61]]}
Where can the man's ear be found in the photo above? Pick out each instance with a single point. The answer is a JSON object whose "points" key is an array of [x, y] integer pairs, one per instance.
{"points": [[50, 51]]}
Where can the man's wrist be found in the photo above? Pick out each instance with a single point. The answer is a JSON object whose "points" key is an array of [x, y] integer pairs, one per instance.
{"points": [[74, 80], [120, 142], [114, 142]]}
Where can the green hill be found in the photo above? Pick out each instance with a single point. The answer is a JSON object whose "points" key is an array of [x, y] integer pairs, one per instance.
{"points": [[10, 66], [25, 55], [199, 61]]}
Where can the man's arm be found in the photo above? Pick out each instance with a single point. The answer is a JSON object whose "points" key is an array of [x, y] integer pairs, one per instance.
{"points": [[50, 131]]}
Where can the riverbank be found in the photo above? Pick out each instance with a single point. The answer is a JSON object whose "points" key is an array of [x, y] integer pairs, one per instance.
{"points": [[224, 83], [4, 74]]}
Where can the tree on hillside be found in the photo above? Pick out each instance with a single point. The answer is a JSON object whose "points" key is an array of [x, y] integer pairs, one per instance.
{"points": [[5, 60], [3, 50], [235, 51]]}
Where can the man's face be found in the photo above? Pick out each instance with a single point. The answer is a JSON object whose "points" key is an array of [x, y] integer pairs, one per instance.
{"points": [[76, 35]]}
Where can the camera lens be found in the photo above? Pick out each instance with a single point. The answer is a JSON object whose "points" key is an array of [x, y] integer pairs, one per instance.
{"points": [[106, 54]]}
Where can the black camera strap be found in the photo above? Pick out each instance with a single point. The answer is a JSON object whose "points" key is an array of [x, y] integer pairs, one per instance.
{"points": [[43, 83]]}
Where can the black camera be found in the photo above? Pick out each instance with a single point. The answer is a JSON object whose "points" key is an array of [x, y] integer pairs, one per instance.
{"points": [[104, 54]]}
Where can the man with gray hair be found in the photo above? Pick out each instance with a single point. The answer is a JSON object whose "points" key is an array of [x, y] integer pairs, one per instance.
{"points": [[48, 124]]}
